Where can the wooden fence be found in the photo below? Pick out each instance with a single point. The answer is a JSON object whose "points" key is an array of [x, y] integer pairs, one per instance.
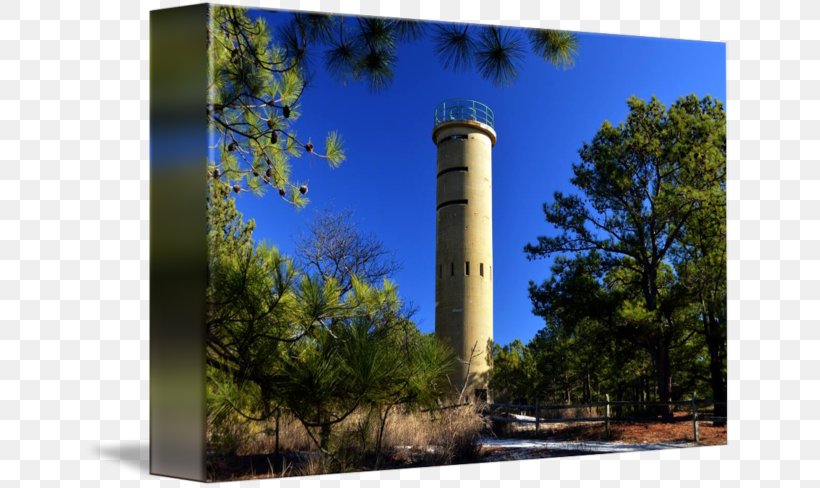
{"points": [[613, 411]]}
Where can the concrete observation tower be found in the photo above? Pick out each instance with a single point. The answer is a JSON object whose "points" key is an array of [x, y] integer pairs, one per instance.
{"points": [[464, 136]]}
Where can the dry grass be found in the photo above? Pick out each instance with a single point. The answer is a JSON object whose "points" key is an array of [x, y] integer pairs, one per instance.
{"points": [[410, 439], [417, 438], [457, 434], [292, 437], [243, 437], [408, 429], [314, 464]]}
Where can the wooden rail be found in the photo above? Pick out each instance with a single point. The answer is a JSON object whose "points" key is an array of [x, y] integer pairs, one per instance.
{"points": [[608, 418]]}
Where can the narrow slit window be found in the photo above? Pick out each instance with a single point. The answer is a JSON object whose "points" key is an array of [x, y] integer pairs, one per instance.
{"points": [[451, 202], [481, 269], [450, 170], [452, 269], [439, 271], [467, 268]]}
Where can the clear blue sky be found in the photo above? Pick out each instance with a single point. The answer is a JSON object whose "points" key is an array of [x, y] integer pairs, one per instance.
{"points": [[389, 177]]}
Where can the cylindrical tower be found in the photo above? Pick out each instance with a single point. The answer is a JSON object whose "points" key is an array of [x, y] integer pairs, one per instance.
{"points": [[464, 135]]}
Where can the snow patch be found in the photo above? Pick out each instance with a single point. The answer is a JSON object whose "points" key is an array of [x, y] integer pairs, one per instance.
{"points": [[576, 446]]}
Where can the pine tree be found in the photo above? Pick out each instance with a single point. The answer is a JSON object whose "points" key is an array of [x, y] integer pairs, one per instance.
{"points": [[260, 75], [255, 95], [647, 188]]}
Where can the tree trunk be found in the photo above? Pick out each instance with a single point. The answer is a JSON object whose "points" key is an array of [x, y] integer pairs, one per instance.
{"points": [[715, 343], [380, 437], [664, 374], [325, 436], [650, 287], [276, 446], [324, 431], [568, 390]]}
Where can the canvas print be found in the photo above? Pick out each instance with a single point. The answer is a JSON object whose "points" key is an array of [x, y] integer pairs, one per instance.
{"points": [[438, 243]]}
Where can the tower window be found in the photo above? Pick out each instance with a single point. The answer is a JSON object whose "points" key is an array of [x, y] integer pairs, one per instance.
{"points": [[467, 268], [450, 170], [439, 271], [481, 269], [452, 269], [451, 202]]}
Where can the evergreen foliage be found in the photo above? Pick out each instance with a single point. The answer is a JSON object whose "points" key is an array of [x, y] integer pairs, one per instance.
{"points": [[255, 94], [259, 75], [280, 338], [635, 306], [365, 48]]}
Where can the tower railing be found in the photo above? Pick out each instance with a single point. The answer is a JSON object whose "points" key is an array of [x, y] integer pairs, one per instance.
{"points": [[463, 109]]}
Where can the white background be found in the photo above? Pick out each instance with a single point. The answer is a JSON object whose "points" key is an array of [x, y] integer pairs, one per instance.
{"points": [[74, 242]]}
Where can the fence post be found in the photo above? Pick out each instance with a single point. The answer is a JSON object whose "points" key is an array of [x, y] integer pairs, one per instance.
{"points": [[695, 419], [608, 433], [276, 445], [537, 418]]}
